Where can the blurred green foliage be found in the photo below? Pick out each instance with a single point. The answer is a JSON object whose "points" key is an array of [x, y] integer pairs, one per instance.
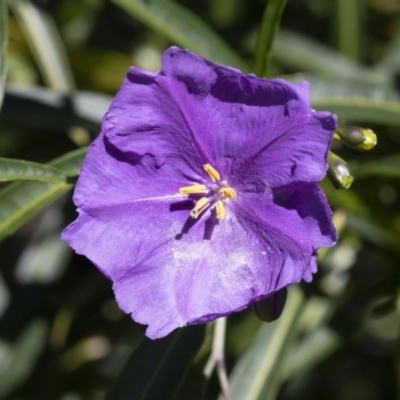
{"points": [[61, 334]]}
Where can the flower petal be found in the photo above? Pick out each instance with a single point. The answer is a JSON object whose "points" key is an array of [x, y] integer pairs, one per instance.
{"points": [[110, 177], [302, 211], [146, 149], [145, 120], [249, 126], [298, 211], [154, 148], [196, 112], [168, 271], [299, 154]]}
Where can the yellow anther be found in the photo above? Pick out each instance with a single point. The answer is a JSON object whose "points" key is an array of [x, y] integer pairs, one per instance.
{"points": [[200, 206], [212, 172], [193, 189], [220, 210], [227, 193]]}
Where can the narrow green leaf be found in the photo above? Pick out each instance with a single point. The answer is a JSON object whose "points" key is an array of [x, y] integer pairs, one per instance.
{"points": [[313, 349], [21, 201], [20, 170], [353, 101], [373, 231], [3, 47], [361, 109], [157, 367], [18, 360], [387, 166], [269, 27], [258, 373], [47, 46], [302, 53], [43, 261], [390, 62], [45, 110], [183, 28]]}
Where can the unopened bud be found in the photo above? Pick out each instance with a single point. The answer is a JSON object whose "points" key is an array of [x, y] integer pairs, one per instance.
{"points": [[339, 172], [357, 138], [270, 308]]}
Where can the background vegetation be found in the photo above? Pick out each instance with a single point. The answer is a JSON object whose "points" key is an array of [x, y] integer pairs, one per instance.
{"points": [[61, 333]]}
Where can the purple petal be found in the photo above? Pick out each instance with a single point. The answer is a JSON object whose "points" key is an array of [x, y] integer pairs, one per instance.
{"points": [[145, 120], [299, 212], [297, 155], [110, 177], [248, 126], [162, 277], [303, 207], [166, 274], [196, 112]]}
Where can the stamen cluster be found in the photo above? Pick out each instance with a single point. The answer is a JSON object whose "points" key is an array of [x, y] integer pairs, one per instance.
{"points": [[217, 194]]}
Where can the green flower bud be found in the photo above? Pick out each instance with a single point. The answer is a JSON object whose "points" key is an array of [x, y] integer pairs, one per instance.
{"points": [[357, 138], [339, 172], [270, 308]]}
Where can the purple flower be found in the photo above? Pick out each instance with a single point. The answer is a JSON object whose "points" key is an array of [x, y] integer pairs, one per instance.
{"points": [[199, 196]]}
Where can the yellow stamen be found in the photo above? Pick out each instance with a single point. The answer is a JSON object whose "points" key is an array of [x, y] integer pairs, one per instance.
{"points": [[227, 193], [193, 189], [221, 210], [200, 206], [212, 172]]}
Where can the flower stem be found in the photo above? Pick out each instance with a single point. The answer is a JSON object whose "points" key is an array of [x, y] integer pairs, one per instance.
{"points": [[269, 26], [217, 358]]}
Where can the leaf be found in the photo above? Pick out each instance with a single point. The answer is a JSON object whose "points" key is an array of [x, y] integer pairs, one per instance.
{"points": [[21, 201], [43, 261], [303, 53], [183, 28], [269, 27], [386, 166], [47, 46], [313, 349], [18, 359], [3, 47], [20, 170], [47, 110], [353, 101], [362, 109], [390, 62], [258, 374], [156, 368], [373, 231]]}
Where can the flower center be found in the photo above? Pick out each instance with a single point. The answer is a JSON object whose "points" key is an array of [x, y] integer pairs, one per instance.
{"points": [[217, 192]]}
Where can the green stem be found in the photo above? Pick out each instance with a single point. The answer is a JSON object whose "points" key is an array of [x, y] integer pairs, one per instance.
{"points": [[269, 26], [349, 27]]}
